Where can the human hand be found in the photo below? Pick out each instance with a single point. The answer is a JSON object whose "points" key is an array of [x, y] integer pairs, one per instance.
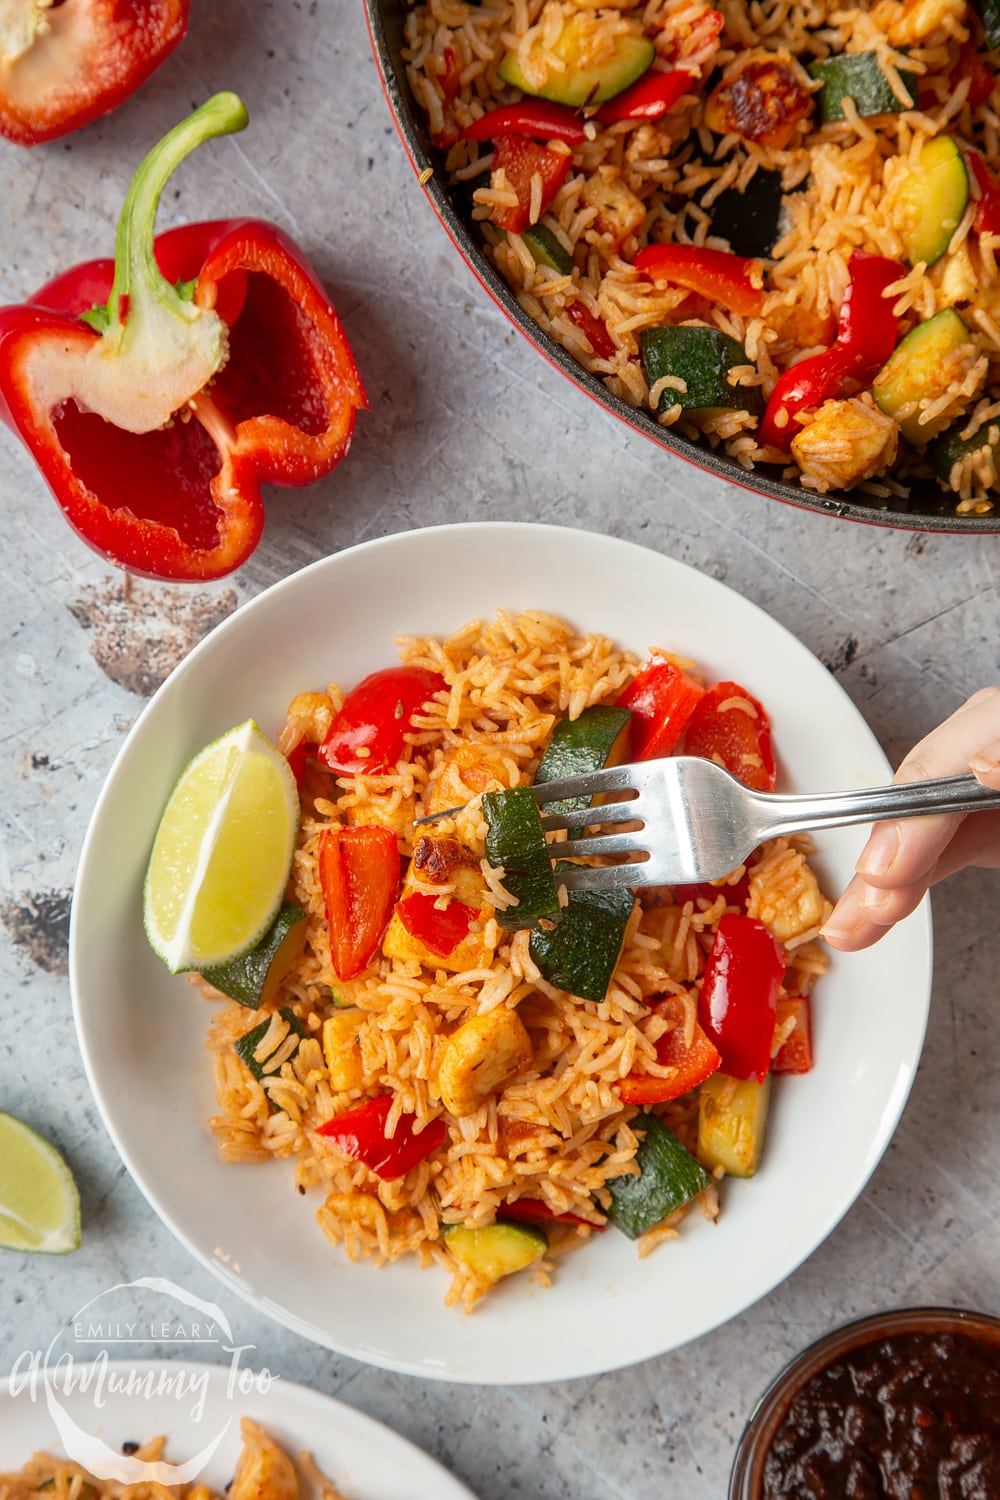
{"points": [[902, 859]]}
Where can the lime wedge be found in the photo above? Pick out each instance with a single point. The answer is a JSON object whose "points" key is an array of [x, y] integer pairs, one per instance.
{"points": [[39, 1203], [222, 852]]}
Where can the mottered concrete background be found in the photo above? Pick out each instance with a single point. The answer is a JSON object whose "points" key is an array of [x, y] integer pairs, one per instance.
{"points": [[467, 423]]}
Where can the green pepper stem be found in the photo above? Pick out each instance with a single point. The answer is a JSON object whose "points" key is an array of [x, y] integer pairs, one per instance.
{"points": [[137, 276]]}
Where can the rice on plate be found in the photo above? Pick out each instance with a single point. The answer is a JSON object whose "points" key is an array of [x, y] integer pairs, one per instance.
{"points": [[436, 1056], [772, 225]]}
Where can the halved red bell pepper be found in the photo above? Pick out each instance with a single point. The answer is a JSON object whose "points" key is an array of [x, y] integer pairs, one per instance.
{"points": [[795, 1055], [359, 873], [360, 1134], [737, 1004], [538, 118], [866, 336], [692, 1064], [215, 363], [521, 159], [601, 341], [734, 281], [440, 928], [367, 735], [63, 64], [534, 1211], [650, 97], [661, 699], [720, 728]]}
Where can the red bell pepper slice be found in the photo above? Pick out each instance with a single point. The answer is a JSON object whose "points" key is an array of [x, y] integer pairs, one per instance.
{"points": [[737, 1005], [521, 159], [795, 1055], [736, 895], [987, 220], [367, 735], [537, 118], [692, 1063], [661, 699], [650, 97], [360, 1134], [866, 336], [64, 65], [734, 281], [359, 873], [721, 729], [224, 322], [534, 1211], [972, 65], [439, 928], [601, 341]]}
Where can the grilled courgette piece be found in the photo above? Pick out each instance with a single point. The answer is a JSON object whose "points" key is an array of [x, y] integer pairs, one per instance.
{"points": [[546, 250], [516, 842], [597, 738], [253, 978], [858, 76], [669, 1176], [576, 84], [929, 203], [496, 1250], [916, 371], [579, 949], [732, 1117], [702, 358]]}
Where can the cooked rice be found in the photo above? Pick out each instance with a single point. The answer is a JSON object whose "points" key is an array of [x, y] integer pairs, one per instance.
{"points": [[557, 1131], [841, 182]]}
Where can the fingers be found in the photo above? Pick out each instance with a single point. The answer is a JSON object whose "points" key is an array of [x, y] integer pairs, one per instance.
{"points": [[903, 858], [864, 913], [899, 853]]}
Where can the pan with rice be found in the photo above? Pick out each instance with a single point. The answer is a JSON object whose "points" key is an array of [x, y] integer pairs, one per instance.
{"points": [[475, 1067], [769, 229]]}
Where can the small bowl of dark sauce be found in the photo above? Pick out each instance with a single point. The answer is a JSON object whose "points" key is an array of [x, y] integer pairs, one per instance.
{"points": [[901, 1404]]}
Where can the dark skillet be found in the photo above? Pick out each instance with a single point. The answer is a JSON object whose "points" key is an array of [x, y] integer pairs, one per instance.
{"points": [[926, 509]]}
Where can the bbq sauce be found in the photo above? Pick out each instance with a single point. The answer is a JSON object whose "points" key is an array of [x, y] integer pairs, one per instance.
{"points": [[908, 1416]]}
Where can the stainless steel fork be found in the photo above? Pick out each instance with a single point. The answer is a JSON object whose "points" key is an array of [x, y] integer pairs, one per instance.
{"points": [[698, 823]]}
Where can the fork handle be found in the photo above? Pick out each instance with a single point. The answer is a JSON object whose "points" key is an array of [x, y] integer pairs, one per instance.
{"points": [[906, 799]]}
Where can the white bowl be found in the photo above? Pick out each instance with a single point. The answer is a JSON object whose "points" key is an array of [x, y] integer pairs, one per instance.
{"points": [[141, 1032], [365, 1459]]}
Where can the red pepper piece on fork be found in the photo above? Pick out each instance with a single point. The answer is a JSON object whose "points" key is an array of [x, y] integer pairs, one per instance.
{"points": [[64, 64], [216, 362]]}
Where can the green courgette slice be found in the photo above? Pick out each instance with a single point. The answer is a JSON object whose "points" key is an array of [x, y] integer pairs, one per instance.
{"points": [[859, 76], [597, 738], [546, 250], [930, 201], [702, 358], [917, 371], [516, 842], [496, 1250], [950, 448], [669, 1177], [253, 979], [251, 1040], [575, 84], [989, 10], [578, 953], [732, 1118]]}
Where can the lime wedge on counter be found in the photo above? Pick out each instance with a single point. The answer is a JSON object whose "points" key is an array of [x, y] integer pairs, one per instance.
{"points": [[222, 852], [39, 1203]]}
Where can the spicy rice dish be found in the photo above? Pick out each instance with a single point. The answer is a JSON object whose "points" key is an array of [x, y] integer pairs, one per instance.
{"points": [[772, 224], [474, 1066]]}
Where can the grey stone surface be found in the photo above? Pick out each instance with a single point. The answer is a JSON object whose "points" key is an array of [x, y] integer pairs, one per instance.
{"points": [[467, 423]]}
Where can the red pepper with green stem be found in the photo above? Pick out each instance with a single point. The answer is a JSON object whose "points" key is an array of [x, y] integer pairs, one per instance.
{"points": [[63, 64], [866, 336], [215, 363]]}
